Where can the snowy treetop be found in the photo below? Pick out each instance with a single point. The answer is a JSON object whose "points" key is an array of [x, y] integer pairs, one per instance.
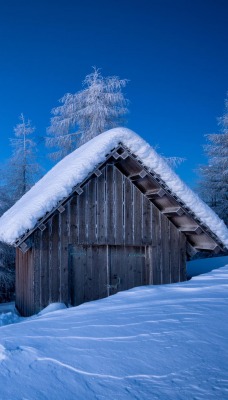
{"points": [[74, 168]]}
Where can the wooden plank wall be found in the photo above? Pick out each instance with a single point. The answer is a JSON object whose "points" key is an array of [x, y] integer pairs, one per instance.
{"points": [[88, 273], [111, 210], [98, 271], [24, 283]]}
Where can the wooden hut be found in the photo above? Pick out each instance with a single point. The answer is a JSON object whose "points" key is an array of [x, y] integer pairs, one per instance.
{"points": [[121, 226]]}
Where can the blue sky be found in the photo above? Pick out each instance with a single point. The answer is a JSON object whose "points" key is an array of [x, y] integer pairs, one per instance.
{"points": [[174, 53]]}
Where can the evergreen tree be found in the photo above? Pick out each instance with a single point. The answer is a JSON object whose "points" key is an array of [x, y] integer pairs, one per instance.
{"points": [[22, 168], [20, 173], [7, 256], [214, 185], [87, 113]]}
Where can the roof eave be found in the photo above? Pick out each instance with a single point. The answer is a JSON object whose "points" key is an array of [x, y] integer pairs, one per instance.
{"points": [[156, 190]]}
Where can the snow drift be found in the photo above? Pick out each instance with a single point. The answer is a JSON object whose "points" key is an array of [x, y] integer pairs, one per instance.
{"points": [[151, 342]]}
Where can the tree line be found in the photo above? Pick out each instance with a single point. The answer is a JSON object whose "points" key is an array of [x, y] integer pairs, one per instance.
{"points": [[100, 105]]}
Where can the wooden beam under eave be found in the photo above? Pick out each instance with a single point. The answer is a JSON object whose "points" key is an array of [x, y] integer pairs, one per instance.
{"points": [[139, 175], [172, 211], [191, 250], [208, 247], [190, 230], [204, 242], [155, 193]]}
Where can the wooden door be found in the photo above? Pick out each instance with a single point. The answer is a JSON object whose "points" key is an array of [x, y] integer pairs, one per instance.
{"points": [[97, 271], [127, 267], [87, 273]]}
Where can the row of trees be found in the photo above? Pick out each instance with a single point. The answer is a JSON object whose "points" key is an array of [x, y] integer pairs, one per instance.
{"points": [[99, 106], [18, 175]]}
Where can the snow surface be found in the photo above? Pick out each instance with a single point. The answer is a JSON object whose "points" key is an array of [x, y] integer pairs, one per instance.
{"points": [[59, 181], [8, 315], [203, 265], [151, 342]]}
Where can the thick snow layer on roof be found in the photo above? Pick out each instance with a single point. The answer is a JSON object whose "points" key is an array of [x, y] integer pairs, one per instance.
{"points": [[70, 171]]}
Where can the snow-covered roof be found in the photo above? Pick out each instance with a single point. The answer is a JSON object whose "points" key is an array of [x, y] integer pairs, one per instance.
{"points": [[74, 168]]}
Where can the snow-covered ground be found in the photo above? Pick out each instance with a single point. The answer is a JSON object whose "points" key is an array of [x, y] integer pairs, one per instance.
{"points": [[204, 265], [8, 315], [155, 342]]}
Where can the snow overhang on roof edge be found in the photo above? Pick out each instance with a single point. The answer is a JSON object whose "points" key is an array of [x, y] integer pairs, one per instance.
{"points": [[58, 183]]}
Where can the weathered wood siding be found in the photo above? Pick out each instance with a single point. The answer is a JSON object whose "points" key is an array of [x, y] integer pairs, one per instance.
{"points": [[111, 211], [24, 283], [98, 271]]}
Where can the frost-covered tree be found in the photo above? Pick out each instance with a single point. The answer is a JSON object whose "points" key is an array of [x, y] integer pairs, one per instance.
{"points": [[99, 106], [22, 168], [62, 132], [7, 255], [18, 175], [214, 183], [7, 271]]}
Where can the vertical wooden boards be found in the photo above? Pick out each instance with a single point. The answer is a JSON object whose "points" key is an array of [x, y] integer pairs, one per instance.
{"points": [[165, 250], [95, 269], [78, 266], [137, 210], [50, 258], [74, 220], [127, 267], [140, 266], [148, 266], [19, 283], [146, 221], [18, 280], [63, 254], [110, 204], [128, 212], [88, 271], [98, 255], [119, 216], [167, 256], [117, 269], [135, 265], [174, 254], [81, 215], [100, 270], [156, 246], [91, 214], [24, 283], [88, 274], [44, 268], [101, 207], [36, 264], [54, 272], [182, 250]]}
